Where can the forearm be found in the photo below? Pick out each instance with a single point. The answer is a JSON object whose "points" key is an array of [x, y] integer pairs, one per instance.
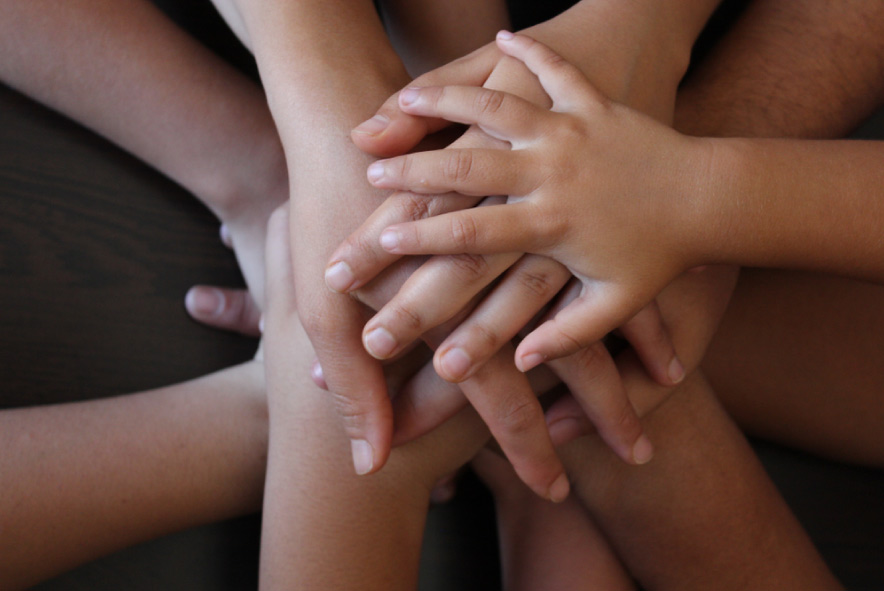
{"points": [[81, 480], [813, 205], [325, 527], [126, 71]]}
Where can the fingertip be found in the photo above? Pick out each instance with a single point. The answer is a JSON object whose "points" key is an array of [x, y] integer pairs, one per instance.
{"points": [[676, 371], [642, 451], [559, 489], [363, 456], [339, 277], [204, 302], [504, 35], [528, 361]]}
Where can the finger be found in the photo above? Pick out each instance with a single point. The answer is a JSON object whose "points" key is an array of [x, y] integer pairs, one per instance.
{"points": [[226, 238], [648, 336], [595, 383], [228, 309], [317, 376], [501, 115], [567, 421], [504, 399], [360, 258], [391, 131], [435, 293], [511, 227], [477, 172], [421, 405], [525, 289], [563, 82], [578, 325]]}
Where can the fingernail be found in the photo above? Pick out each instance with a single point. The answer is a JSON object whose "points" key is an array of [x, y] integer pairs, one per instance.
{"points": [[530, 361], [204, 302], [566, 430], [505, 35], [380, 343], [408, 96], [389, 239], [642, 451], [317, 375], [375, 172], [363, 456], [339, 277], [559, 490], [224, 233], [455, 363], [443, 494], [676, 371], [373, 126], [261, 324]]}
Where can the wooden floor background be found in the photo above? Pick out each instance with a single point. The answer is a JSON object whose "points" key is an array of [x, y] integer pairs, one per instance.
{"points": [[96, 254]]}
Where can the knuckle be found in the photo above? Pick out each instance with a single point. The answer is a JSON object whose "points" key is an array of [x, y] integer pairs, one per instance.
{"points": [[464, 231], [488, 102], [518, 417], [458, 166], [537, 282], [566, 342], [468, 268], [589, 359], [413, 207], [482, 340], [406, 318]]}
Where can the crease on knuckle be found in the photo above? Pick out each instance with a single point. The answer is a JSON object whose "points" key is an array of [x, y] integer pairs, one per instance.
{"points": [[538, 283], [458, 166], [566, 343], [407, 318], [464, 231], [518, 416], [414, 207], [482, 340], [468, 267], [489, 102]]}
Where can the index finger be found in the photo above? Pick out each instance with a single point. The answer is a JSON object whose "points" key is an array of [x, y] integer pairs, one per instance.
{"points": [[391, 131]]}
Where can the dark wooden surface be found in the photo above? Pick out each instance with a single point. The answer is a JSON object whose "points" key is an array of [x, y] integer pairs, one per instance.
{"points": [[97, 252]]}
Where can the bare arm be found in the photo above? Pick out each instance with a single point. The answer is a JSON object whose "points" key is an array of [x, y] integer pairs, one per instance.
{"points": [[84, 479]]}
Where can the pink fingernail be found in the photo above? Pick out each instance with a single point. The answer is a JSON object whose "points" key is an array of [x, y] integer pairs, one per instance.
{"points": [[390, 240], [380, 343], [408, 96], [455, 363], [676, 371], [363, 456], [505, 35], [375, 172], [339, 277], [643, 450], [204, 302], [559, 490], [530, 361], [373, 126]]}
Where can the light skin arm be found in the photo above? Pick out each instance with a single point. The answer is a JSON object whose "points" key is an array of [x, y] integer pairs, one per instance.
{"points": [[84, 479], [324, 526], [126, 71]]}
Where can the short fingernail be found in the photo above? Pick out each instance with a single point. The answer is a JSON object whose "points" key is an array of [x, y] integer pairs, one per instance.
{"points": [[363, 456], [443, 493], [530, 361], [566, 430], [373, 126], [261, 324], [317, 375], [676, 370], [339, 277], [204, 302], [226, 238], [390, 239], [380, 343], [643, 450], [504, 35], [408, 96], [559, 490], [455, 363], [375, 172]]}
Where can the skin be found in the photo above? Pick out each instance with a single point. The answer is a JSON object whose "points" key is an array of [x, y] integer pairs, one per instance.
{"points": [[644, 68]]}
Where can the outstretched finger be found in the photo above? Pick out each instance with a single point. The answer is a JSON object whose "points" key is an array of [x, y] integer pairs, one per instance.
{"points": [[576, 326], [391, 131], [565, 84], [648, 336], [228, 309], [511, 227], [594, 381], [476, 172], [501, 115]]}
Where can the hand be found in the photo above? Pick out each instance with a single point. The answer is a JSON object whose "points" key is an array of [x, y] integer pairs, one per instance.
{"points": [[582, 174]]}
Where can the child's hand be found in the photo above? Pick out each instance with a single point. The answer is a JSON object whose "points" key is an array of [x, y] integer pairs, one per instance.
{"points": [[591, 184]]}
